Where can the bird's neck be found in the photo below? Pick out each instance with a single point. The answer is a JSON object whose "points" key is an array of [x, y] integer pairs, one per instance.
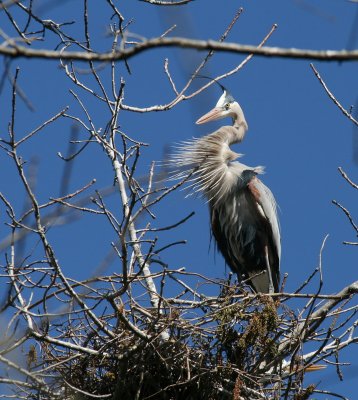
{"points": [[208, 160], [240, 128]]}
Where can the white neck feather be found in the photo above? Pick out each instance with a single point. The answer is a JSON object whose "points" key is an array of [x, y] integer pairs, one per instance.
{"points": [[209, 160]]}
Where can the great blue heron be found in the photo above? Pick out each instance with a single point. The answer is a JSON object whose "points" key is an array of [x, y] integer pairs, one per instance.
{"points": [[242, 209]]}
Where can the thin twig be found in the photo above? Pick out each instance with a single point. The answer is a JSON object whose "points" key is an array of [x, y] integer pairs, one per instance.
{"points": [[332, 97]]}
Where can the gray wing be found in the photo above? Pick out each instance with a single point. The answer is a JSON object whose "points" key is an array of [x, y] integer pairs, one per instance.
{"points": [[243, 224], [267, 202], [269, 207]]}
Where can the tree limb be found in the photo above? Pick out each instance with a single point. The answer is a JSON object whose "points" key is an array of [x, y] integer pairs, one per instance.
{"points": [[16, 51]]}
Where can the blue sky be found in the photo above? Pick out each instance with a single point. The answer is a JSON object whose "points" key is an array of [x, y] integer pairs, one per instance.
{"points": [[294, 130]]}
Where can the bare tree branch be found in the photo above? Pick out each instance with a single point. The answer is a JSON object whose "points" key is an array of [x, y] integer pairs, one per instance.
{"points": [[331, 96], [16, 51]]}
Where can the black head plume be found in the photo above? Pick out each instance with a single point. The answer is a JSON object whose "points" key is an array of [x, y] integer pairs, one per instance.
{"points": [[228, 96]]}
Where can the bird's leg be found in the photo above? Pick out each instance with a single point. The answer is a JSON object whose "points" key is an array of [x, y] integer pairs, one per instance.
{"points": [[271, 288]]}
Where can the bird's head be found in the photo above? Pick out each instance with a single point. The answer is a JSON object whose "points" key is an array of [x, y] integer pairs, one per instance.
{"points": [[225, 107]]}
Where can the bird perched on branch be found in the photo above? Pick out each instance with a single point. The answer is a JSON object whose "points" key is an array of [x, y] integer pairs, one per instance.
{"points": [[242, 209]]}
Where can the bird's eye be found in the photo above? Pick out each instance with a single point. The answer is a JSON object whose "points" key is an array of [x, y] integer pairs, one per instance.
{"points": [[227, 106]]}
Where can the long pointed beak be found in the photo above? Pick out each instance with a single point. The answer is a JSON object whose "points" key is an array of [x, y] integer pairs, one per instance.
{"points": [[311, 368], [212, 115], [316, 367]]}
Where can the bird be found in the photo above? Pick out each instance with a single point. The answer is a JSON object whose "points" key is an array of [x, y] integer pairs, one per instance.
{"points": [[243, 211]]}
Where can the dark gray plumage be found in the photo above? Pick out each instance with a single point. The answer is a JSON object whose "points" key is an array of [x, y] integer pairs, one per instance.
{"points": [[246, 232], [243, 210]]}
